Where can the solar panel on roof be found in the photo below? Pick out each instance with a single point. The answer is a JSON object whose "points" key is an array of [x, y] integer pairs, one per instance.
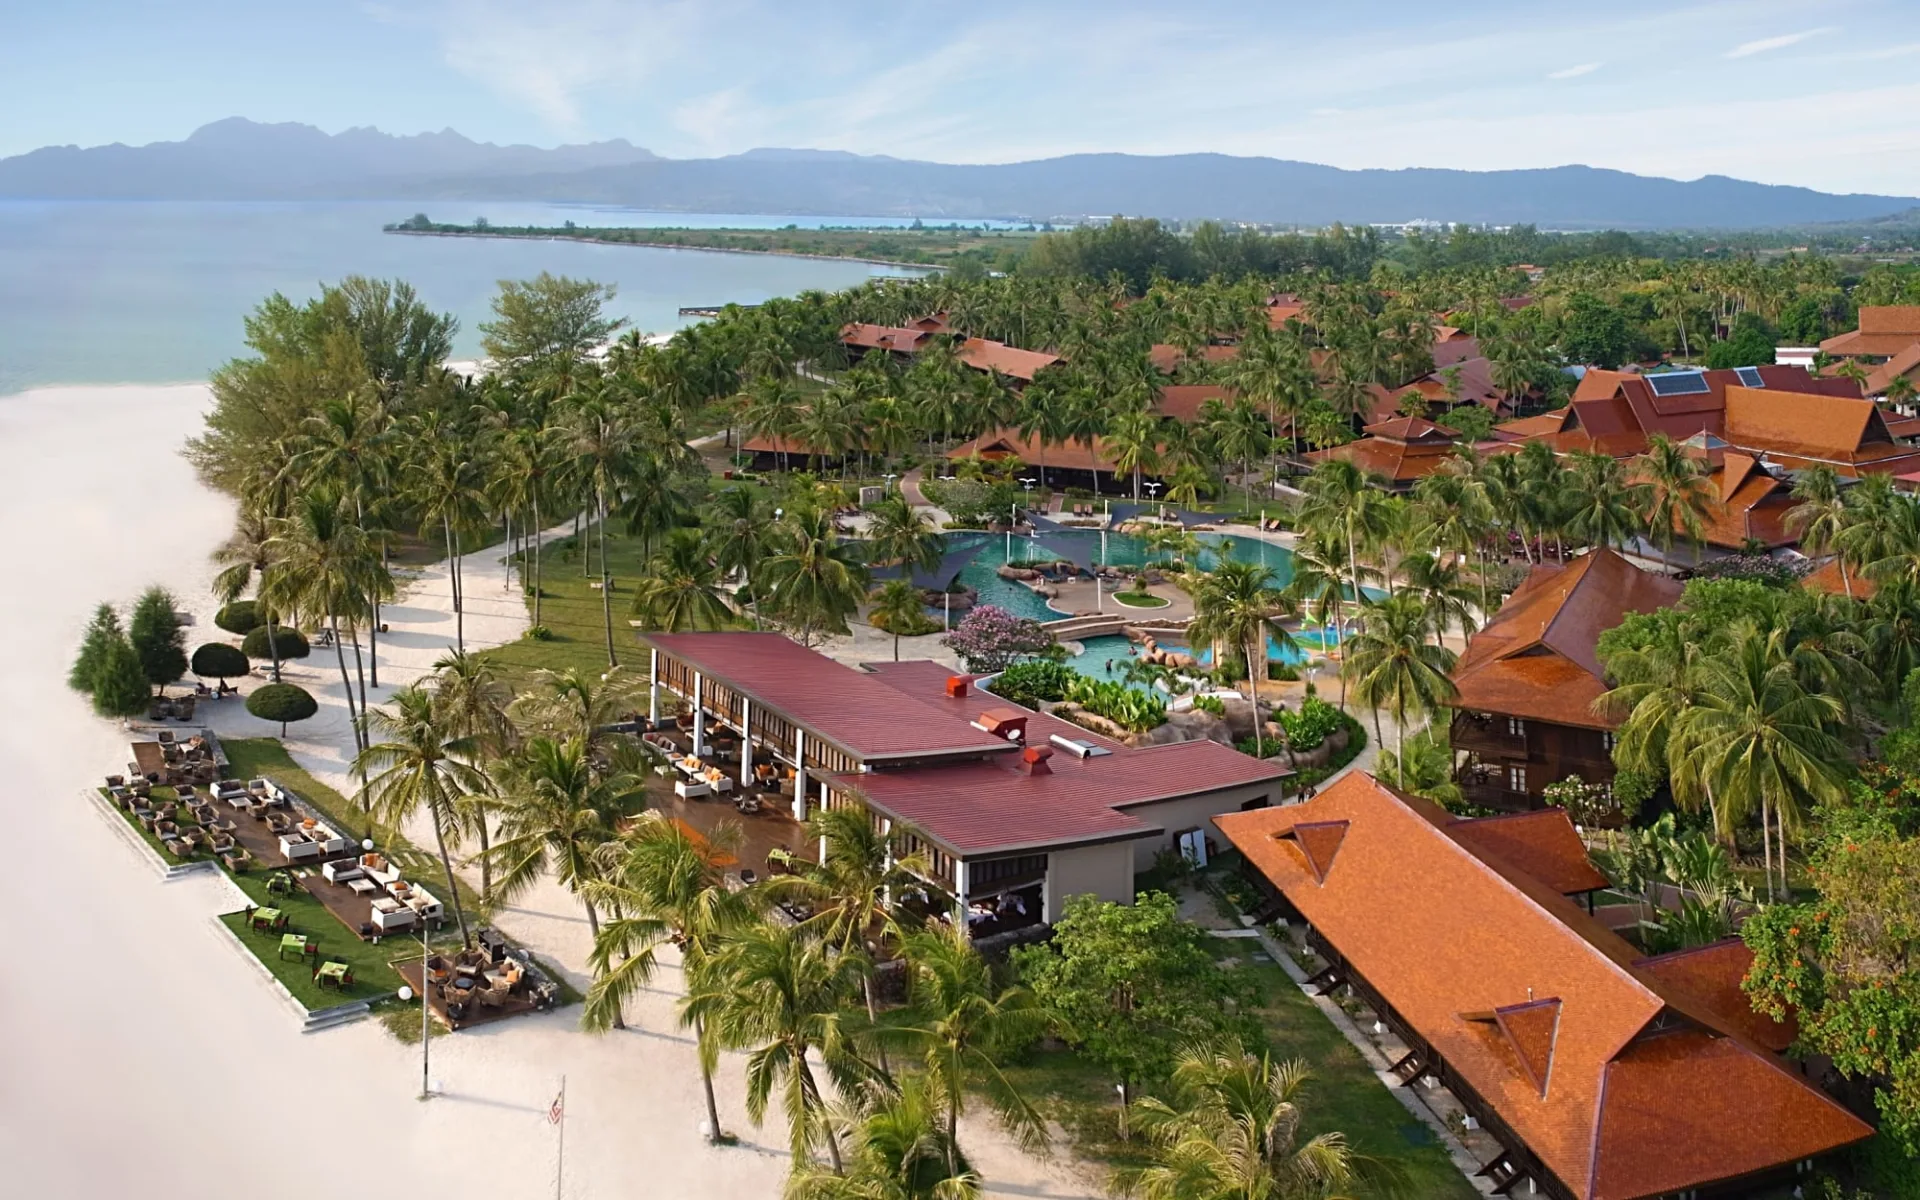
{"points": [[1678, 383], [1750, 376]]}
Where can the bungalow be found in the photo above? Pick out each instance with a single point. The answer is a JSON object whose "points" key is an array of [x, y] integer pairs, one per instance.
{"points": [[982, 354], [1003, 800], [1523, 710], [1401, 451], [1601, 1072]]}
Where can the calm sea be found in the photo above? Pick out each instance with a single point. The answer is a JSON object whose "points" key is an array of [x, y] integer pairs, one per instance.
{"points": [[154, 292]]}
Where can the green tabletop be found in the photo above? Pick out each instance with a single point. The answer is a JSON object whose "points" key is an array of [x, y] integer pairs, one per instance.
{"points": [[296, 942], [268, 915], [336, 971]]}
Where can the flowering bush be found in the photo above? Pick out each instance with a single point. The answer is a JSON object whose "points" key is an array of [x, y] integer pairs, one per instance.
{"points": [[991, 637], [1774, 572]]}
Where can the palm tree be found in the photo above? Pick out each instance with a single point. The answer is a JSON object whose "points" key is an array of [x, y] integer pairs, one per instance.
{"points": [[577, 704], [815, 581], [1043, 417], [1758, 735], [1678, 496], [959, 1020], [681, 590], [663, 886], [1236, 605], [781, 995], [1319, 587], [448, 490], [1426, 770], [1233, 1133], [349, 446], [1821, 516], [602, 440], [424, 764], [474, 702], [896, 606], [1445, 595], [1133, 442], [1394, 666], [900, 535], [740, 535], [1343, 501], [325, 567], [555, 815], [245, 558], [1452, 514], [1604, 508], [900, 1149]]}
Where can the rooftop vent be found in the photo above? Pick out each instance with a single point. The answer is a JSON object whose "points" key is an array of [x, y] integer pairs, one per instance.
{"points": [[1033, 760], [957, 686], [1078, 747], [1007, 723]]}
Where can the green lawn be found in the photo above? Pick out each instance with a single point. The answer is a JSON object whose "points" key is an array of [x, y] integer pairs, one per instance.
{"points": [[373, 977], [571, 611], [184, 820]]}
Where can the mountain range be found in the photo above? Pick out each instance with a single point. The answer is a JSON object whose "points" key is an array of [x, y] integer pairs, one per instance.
{"points": [[237, 159]]}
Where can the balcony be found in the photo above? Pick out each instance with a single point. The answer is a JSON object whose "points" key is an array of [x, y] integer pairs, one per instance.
{"points": [[1486, 735], [1494, 794]]}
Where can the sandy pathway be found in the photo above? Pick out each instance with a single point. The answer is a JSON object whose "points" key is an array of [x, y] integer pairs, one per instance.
{"points": [[141, 1053]]}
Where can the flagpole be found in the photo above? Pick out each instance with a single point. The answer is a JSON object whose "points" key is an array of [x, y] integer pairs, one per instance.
{"points": [[560, 1119]]}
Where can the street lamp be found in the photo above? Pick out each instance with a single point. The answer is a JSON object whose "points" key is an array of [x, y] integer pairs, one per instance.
{"points": [[889, 477]]}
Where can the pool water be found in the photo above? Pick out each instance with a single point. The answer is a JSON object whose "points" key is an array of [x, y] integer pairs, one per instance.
{"points": [[1119, 549]]}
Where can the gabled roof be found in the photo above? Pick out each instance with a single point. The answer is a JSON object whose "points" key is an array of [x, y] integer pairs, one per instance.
{"points": [[1620, 1084], [1712, 975], [1538, 657], [1182, 402], [1834, 429], [1011, 443], [1395, 459], [1413, 429], [984, 355], [885, 337], [1907, 363], [1885, 330], [1541, 842]]}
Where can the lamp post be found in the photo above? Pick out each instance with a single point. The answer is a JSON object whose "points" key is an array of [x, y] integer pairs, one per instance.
{"points": [[889, 477]]}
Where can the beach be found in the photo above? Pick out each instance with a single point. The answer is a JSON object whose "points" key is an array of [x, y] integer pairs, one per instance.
{"points": [[143, 1052]]}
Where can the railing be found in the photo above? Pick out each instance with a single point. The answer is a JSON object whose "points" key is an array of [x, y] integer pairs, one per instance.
{"points": [[1489, 733], [1496, 795]]}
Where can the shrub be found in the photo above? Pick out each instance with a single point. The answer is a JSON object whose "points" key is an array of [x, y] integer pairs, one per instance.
{"points": [[1029, 683], [1284, 672], [1774, 572], [917, 624], [991, 637], [217, 660], [538, 633], [240, 618], [1126, 707], [120, 687], [282, 702], [158, 637], [1210, 704], [102, 632], [1313, 724], [289, 641]]}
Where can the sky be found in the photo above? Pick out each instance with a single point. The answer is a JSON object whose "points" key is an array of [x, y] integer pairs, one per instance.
{"points": [[1823, 95]]}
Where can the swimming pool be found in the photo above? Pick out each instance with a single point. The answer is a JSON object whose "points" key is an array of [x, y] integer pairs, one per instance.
{"points": [[1117, 549]]}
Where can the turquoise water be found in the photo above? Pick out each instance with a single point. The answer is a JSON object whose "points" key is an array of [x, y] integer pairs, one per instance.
{"points": [[154, 292], [1121, 550]]}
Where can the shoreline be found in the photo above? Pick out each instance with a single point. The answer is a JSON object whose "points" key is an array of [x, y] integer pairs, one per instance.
{"points": [[592, 241]]}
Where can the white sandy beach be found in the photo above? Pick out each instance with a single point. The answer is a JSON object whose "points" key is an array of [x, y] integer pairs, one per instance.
{"points": [[140, 1052]]}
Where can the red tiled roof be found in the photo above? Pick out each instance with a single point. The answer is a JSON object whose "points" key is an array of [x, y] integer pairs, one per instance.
{"points": [[1527, 428], [993, 805], [1390, 458], [1011, 443], [1413, 429], [1449, 352], [1476, 385], [850, 708], [1166, 358], [1537, 658], [984, 355], [1902, 427], [1633, 1089], [1543, 843], [1182, 401], [1827, 578], [759, 444], [1885, 330], [1712, 975], [885, 337], [1907, 362]]}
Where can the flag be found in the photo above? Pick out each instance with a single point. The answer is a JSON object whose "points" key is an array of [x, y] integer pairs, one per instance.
{"points": [[557, 1109]]}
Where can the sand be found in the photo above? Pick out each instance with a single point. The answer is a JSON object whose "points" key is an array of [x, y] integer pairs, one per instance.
{"points": [[139, 1052]]}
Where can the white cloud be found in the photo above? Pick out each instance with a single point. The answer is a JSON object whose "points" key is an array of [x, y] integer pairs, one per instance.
{"points": [[1574, 72], [1762, 45]]}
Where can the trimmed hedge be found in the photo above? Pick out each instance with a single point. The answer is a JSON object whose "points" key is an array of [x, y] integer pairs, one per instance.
{"points": [[291, 642], [217, 660], [282, 702], [239, 618]]}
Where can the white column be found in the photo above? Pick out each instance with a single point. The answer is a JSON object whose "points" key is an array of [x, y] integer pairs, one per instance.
{"points": [[799, 774], [886, 832], [960, 896], [653, 686], [746, 741], [823, 808], [1046, 894], [699, 719]]}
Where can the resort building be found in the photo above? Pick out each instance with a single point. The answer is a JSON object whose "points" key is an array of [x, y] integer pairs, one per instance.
{"points": [[1885, 331], [1904, 365], [982, 354], [1523, 717], [1401, 451], [1014, 809], [1602, 1073]]}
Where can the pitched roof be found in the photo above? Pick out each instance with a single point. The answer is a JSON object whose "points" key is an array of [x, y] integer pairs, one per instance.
{"points": [[1827, 578], [1907, 362], [1884, 330], [985, 355], [1395, 459], [1543, 843], [993, 805], [763, 444], [851, 708], [885, 337], [1011, 443], [1182, 401], [1413, 429], [1712, 975], [1536, 1007], [1538, 657]]}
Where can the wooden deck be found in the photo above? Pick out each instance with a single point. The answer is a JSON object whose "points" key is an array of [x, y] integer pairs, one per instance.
{"points": [[513, 1006]]}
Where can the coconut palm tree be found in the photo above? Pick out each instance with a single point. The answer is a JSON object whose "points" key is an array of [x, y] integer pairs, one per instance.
{"points": [[326, 566], [448, 489], [1678, 496], [896, 606], [1441, 589], [573, 703], [1603, 507], [663, 885], [1133, 443], [900, 535], [1820, 517], [1319, 588], [1758, 735], [602, 439], [474, 702], [899, 1149], [555, 814], [1452, 514], [1233, 1133], [740, 535], [781, 995], [244, 559], [815, 581], [1393, 665], [681, 590], [423, 763], [1236, 605], [1426, 770], [958, 1020], [1343, 502]]}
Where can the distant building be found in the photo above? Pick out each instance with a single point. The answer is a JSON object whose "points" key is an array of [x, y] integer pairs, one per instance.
{"points": [[1603, 1073], [1400, 451], [982, 354], [1884, 332]]}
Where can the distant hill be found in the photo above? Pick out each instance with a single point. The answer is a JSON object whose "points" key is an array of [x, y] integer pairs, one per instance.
{"points": [[238, 159]]}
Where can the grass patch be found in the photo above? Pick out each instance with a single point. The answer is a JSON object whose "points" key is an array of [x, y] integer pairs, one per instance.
{"points": [[183, 819], [1139, 600], [571, 611], [373, 977]]}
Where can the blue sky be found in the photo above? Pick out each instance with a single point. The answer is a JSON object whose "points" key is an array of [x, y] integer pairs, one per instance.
{"points": [[1826, 95]]}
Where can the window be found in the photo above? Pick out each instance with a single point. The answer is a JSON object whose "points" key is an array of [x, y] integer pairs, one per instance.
{"points": [[1606, 741], [1516, 727], [1516, 779]]}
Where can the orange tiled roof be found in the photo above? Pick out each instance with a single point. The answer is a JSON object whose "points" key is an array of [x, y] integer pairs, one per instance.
{"points": [[985, 355], [1827, 578], [885, 337], [1712, 975], [1011, 443], [1538, 657], [1182, 402], [1885, 330], [1907, 362], [1543, 843], [1621, 1084], [1399, 450]]}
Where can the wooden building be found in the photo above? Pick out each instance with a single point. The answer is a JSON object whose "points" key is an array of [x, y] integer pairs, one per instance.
{"points": [[1523, 717]]}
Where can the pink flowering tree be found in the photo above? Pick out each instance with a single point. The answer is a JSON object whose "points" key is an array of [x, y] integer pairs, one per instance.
{"points": [[990, 638]]}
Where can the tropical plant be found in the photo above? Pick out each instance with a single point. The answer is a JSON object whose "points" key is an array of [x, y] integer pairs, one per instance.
{"points": [[1393, 665], [899, 1148], [815, 581], [897, 608], [281, 702], [990, 638], [158, 637], [1679, 498], [1235, 605], [681, 590], [555, 814]]}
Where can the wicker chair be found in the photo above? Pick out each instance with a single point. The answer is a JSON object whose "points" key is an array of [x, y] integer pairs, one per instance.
{"points": [[238, 861]]}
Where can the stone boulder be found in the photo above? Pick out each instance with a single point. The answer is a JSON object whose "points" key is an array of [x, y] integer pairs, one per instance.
{"points": [[1192, 725], [1239, 716]]}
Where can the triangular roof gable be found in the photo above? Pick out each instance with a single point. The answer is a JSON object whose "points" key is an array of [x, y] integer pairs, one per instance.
{"points": [[1800, 421], [1318, 843], [1532, 1029], [1735, 468]]}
